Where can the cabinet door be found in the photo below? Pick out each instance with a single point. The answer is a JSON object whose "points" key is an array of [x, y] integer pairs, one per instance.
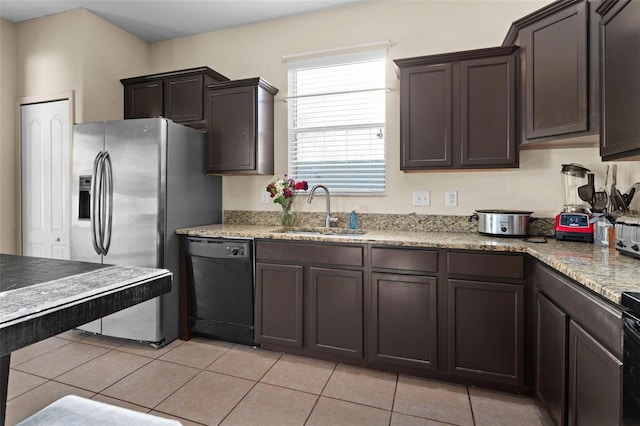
{"points": [[595, 381], [231, 116], [183, 98], [620, 32], [425, 117], [551, 352], [335, 302], [556, 73], [143, 100], [404, 320], [488, 105], [279, 304], [486, 331]]}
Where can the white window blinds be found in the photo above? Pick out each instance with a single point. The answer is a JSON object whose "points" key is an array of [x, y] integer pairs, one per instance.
{"points": [[337, 122]]}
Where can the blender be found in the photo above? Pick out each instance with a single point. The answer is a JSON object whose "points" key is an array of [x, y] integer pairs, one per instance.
{"points": [[574, 223]]}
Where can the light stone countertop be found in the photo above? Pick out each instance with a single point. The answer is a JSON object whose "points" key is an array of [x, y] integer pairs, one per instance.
{"points": [[600, 269]]}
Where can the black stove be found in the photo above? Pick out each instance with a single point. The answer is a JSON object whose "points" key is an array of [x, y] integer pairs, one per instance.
{"points": [[631, 359]]}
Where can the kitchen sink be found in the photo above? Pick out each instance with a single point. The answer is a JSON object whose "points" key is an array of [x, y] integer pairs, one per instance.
{"points": [[332, 232]]}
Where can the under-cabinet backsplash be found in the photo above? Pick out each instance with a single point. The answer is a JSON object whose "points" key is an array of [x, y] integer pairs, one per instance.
{"points": [[400, 222]]}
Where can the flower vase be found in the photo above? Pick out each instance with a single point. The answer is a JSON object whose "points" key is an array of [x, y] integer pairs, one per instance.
{"points": [[286, 219]]}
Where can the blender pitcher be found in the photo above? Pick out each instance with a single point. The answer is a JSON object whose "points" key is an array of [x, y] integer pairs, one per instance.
{"points": [[573, 177]]}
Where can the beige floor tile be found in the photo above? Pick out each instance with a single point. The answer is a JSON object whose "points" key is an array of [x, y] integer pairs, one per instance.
{"points": [[120, 403], [148, 350], [268, 405], [184, 422], [433, 400], [36, 399], [245, 362], [362, 386], [59, 361], [151, 384], [398, 419], [102, 372], [335, 412], [498, 408], [197, 353], [32, 351], [103, 341], [73, 335], [20, 383], [300, 373], [207, 398]]}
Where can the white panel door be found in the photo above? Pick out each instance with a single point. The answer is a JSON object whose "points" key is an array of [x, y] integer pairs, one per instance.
{"points": [[45, 179]]}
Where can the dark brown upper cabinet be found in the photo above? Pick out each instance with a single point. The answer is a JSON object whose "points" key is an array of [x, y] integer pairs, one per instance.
{"points": [[239, 117], [558, 73], [620, 83], [177, 95], [458, 110]]}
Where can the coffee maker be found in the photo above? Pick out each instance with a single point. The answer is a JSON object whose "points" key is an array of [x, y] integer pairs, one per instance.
{"points": [[574, 222]]}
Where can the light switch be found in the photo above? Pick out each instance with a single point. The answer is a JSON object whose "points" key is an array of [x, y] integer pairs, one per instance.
{"points": [[451, 198], [422, 198]]}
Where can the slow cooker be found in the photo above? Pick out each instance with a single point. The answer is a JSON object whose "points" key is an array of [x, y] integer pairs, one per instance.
{"points": [[504, 223]]}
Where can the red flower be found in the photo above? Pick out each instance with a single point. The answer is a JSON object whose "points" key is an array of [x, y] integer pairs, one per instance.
{"points": [[302, 185]]}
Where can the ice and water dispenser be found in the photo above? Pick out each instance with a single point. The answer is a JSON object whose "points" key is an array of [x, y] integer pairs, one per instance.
{"points": [[85, 198]]}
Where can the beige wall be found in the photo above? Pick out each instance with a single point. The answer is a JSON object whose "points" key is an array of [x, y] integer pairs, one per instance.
{"points": [[79, 51], [108, 55], [415, 28], [50, 56], [8, 92], [71, 51]]}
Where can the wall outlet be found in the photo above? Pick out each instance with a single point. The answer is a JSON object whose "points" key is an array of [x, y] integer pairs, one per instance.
{"points": [[422, 198], [265, 197], [451, 198]]}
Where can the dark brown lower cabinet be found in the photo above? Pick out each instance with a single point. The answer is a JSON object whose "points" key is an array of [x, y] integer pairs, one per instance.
{"points": [[551, 371], [486, 331], [404, 326], [595, 381], [578, 351], [335, 315], [279, 304]]}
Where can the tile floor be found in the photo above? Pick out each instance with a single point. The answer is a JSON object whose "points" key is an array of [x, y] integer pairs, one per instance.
{"points": [[207, 382]]}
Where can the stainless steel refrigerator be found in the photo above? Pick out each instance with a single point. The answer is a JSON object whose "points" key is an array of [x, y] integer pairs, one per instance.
{"points": [[134, 183]]}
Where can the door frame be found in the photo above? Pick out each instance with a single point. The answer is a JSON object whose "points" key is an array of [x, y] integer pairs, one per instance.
{"points": [[28, 100]]}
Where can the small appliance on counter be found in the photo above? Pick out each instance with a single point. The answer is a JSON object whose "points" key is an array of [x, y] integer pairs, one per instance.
{"points": [[503, 223], [574, 222], [628, 235]]}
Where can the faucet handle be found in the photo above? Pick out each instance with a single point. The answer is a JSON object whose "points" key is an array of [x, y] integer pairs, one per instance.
{"points": [[333, 220]]}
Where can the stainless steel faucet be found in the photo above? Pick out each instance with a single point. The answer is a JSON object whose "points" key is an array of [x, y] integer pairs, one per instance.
{"points": [[328, 219]]}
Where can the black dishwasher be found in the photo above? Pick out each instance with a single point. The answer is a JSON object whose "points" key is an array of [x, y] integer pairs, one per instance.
{"points": [[220, 288]]}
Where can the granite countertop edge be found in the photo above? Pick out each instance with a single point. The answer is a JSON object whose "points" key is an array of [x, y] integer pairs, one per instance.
{"points": [[600, 269]]}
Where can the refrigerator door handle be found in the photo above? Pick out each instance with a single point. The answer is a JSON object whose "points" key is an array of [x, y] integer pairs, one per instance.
{"points": [[102, 214], [95, 202], [108, 169]]}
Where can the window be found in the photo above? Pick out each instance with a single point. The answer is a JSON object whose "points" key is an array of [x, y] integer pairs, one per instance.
{"points": [[337, 122]]}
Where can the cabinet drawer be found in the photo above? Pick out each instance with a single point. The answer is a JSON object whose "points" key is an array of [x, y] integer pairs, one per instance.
{"points": [[409, 260], [486, 265], [325, 254]]}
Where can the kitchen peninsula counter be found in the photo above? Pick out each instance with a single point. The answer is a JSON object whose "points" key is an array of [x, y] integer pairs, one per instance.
{"points": [[600, 269]]}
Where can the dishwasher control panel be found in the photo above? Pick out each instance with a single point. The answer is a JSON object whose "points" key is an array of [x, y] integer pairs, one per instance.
{"points": [[236, 250]]}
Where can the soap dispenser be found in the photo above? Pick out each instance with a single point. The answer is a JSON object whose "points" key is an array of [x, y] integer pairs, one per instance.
{"points": [[353, 220]]}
